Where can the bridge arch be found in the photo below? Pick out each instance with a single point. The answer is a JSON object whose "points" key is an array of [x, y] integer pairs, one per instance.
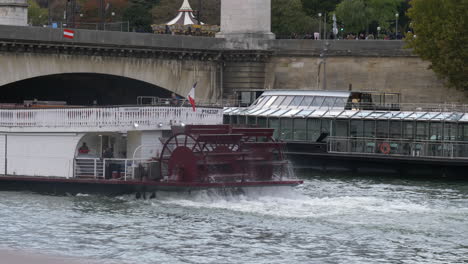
{"points": [[175, 75]]}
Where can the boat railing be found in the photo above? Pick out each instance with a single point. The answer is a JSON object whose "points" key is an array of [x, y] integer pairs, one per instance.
{"points": [[103, 118], [115, 168], [399, 147]]}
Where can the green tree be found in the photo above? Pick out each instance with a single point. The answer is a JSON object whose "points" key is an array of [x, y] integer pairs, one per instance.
{"points": [[313, 7], [357, 15], [287, 16], [441, 37], [167, 10], [37, 16]]}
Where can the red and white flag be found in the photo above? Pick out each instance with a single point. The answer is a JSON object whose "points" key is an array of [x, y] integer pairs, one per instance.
{"points": [[191, 96], [67, 33]]}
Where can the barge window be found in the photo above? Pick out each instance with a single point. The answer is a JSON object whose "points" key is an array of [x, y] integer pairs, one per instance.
{"points": [[435, 131], [252, 120], [325, 127], [262, 101], [382, 129], [274, 123], [395, 129], [341, 128], [234, 120], [369, 128], [226, 119], [296, 101], [286, 128], [450, 131], [270, 101], [340, 102], [300, 129], [465, 132], [328, 102], [313, 129], [307, 101], [356, 128], [261, 122], [421, 130], [278, 101], [242, 120], [287, 101], [408, 130], [318, 101]]}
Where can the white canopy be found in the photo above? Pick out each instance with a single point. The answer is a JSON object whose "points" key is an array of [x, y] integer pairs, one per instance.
{"points": [[185, 16]]}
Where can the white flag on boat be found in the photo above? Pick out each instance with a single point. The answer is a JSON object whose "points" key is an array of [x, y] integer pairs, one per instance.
{"points": [[191, 96]]}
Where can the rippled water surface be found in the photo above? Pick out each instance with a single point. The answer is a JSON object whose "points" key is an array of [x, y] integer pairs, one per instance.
{"points": [[326, 220]]}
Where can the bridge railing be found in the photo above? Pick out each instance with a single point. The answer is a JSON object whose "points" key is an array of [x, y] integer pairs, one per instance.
{"points": [[138, 117]]}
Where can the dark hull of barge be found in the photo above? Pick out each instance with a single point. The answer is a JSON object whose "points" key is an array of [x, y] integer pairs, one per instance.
{"points": [[63, 186], [313, 157]]}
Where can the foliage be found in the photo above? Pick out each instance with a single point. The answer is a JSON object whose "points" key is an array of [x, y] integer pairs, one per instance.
{"points": [[287, 16], [37, 16], [441, 37], [139, 17], [313, 7], [357, 15], [167, 10], [90, 10]]}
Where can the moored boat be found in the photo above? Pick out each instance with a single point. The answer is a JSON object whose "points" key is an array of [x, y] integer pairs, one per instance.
{"points": [[362, 132]]}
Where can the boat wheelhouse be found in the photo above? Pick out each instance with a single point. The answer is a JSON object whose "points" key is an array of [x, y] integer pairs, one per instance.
{"points": [[360, 125]]}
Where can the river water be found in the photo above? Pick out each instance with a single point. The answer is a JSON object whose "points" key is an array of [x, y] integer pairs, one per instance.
{"points": [[326, 220]]}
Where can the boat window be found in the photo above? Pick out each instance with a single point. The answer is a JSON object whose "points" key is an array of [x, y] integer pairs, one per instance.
{"points": [[286, 128], [278, 101], [300, 131], [270, 101], [325, 126], [296, 101], [395, 129], [328, 102], [287, 101], [307, 101], [369, 128], [313, 129], [226, 119], [340, 102], [382, 129], [408, 130], [274, 123], [356, 128], [234, 119], [450, 131], [421, 130], [435, 131], [465, 132], [318, 101], [252, 120], [261, 122], [242, 120], [262, 101], [341, 128]]}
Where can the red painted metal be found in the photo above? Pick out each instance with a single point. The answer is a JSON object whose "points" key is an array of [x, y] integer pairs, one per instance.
{"points": [[222, 154]]}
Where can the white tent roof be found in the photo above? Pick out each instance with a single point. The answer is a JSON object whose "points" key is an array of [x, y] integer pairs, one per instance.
{"points": [[185, 16]]}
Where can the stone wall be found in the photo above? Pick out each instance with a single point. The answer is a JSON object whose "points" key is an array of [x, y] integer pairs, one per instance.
{"points": [[409, 76], [13, 12]]}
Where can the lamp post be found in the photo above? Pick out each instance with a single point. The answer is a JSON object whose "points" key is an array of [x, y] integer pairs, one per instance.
{"points": [[396, 25], [320, 25], [378, 32], [198, 13]]}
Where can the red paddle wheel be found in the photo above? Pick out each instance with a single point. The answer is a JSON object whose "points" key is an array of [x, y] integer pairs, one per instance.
{"points": [[222, 154]]}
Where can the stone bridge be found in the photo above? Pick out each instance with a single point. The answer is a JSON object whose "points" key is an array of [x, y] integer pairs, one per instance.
{"points": [[221, 66]]}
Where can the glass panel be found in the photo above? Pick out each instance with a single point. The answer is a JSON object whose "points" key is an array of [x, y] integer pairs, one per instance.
{"points": [[307, 101], [226, 119], [340, 102], [395, 129], [465, 133], [325, 126], [356, 128], [421, 130], [270, 101], [278, 101], [300, 131], [369, 128], [435, 131], [246, 98], [450, 131], [328, 102], [341, 128], [234, 120], [286, 128], [318, 101], [252, 120], [408, 130], [296, 101], [242, 120], [382, 129], [274, 123], [287, 101], [263, 100], [261, 122], [313, 129]]}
